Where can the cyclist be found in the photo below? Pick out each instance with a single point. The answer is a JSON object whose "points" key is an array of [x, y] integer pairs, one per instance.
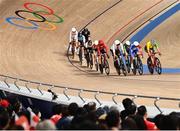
{"points": [[139, 48], [117, 50], [150, 49], [95, 50], [86, 33], [134, 50], [81, 40], [73, 37], [101, 49], [127, 50]]}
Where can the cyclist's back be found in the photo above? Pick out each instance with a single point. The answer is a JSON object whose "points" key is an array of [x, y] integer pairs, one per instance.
{"points": [[86, 33], [151, 45], [73, 35]]}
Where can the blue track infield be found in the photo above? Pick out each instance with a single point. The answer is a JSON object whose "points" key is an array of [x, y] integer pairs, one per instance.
{"points": [[140, 35]]}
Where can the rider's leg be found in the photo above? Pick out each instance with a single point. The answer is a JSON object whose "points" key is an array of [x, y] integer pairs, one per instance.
{"points": [[132, 59]]}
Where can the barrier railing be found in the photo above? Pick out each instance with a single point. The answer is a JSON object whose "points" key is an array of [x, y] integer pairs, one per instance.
{"points": [[80, 91]]}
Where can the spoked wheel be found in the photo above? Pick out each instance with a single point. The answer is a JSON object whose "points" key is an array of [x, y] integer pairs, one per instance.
{"points": [[140, 66], [150, 67], [97, 66], [101, 68], [135, 67], [117, 67], [91, 61], [73, 52], [107, 69], [123, 68], [80, 56], [87, 60], [128, 66], [158, 67]]}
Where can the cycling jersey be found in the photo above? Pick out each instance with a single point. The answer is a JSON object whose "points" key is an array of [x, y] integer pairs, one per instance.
{"points": [[102, 48], [73, 36], [82, 40], [149, 46], [117, 50]]}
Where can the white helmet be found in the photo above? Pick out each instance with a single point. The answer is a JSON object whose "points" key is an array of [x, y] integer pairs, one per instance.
{"points": [[96, 42], [136, 43], [117, 42], [73, 29], [128, 43]]}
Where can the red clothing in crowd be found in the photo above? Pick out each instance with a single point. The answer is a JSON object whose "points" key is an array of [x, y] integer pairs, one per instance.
{"points": [[150, 125]]}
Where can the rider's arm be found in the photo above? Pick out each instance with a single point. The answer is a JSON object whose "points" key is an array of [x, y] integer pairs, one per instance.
{"points": [[157, 48], [148, 48], [113, 50], [122, 48], [76, 37], [70, 37]]}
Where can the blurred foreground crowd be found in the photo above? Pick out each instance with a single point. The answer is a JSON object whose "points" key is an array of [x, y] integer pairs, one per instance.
{"points": [[13, 116]]}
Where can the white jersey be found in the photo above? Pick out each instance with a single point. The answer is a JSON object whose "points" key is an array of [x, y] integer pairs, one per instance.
{"points": [[114, 47], [73, 36]]}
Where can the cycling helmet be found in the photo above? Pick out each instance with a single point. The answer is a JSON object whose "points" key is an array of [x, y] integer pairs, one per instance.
{"points": [[101, 42], [136, 43], [117, 42], [128, 43], [153, 42], [96, 42], [85, 29], [73, 29]]}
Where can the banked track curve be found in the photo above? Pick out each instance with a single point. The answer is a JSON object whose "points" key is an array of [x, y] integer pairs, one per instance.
{"points": [[126, 37]]}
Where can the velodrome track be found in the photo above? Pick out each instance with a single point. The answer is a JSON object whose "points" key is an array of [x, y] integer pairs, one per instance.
{"points": [[40, 55]]}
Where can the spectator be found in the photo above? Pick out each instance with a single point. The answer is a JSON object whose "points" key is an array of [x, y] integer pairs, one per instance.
{"points": [[4, 119], [157, 120], [126, 103], [129, 124], [169, 122], [46, 125], [142, 111], [57, 113], [72, 109], [141, 125], [113, 120], [64, 122]]}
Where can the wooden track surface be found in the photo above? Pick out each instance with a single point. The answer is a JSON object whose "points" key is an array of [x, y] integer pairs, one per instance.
{"points": [[41, 55]]}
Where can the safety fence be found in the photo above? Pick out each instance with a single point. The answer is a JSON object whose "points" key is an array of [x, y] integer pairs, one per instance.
{"points": [[15, 81]]}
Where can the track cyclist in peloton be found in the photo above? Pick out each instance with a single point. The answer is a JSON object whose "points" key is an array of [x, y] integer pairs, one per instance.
{"points": [[134, 50], [117, 50], [86, 33], [102, 48], [150, 48], [73, 40], [81, 45], [127, 45]]}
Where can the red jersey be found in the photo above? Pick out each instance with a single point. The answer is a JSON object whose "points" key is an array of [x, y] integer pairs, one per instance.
{"points": [[102, 46]]}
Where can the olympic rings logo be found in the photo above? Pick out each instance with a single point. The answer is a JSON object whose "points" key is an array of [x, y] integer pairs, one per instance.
{"points": [[39, 17]]}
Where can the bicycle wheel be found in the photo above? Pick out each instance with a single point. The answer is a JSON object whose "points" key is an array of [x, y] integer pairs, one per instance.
{"points": [[158, 67], [134, 70], [117, 67], [91, 61], [80, 56], [149, 64], [73, 51], [128, 66], [107, 69], [87, 59], [140, 66], [123, 67], [101, 68]]}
